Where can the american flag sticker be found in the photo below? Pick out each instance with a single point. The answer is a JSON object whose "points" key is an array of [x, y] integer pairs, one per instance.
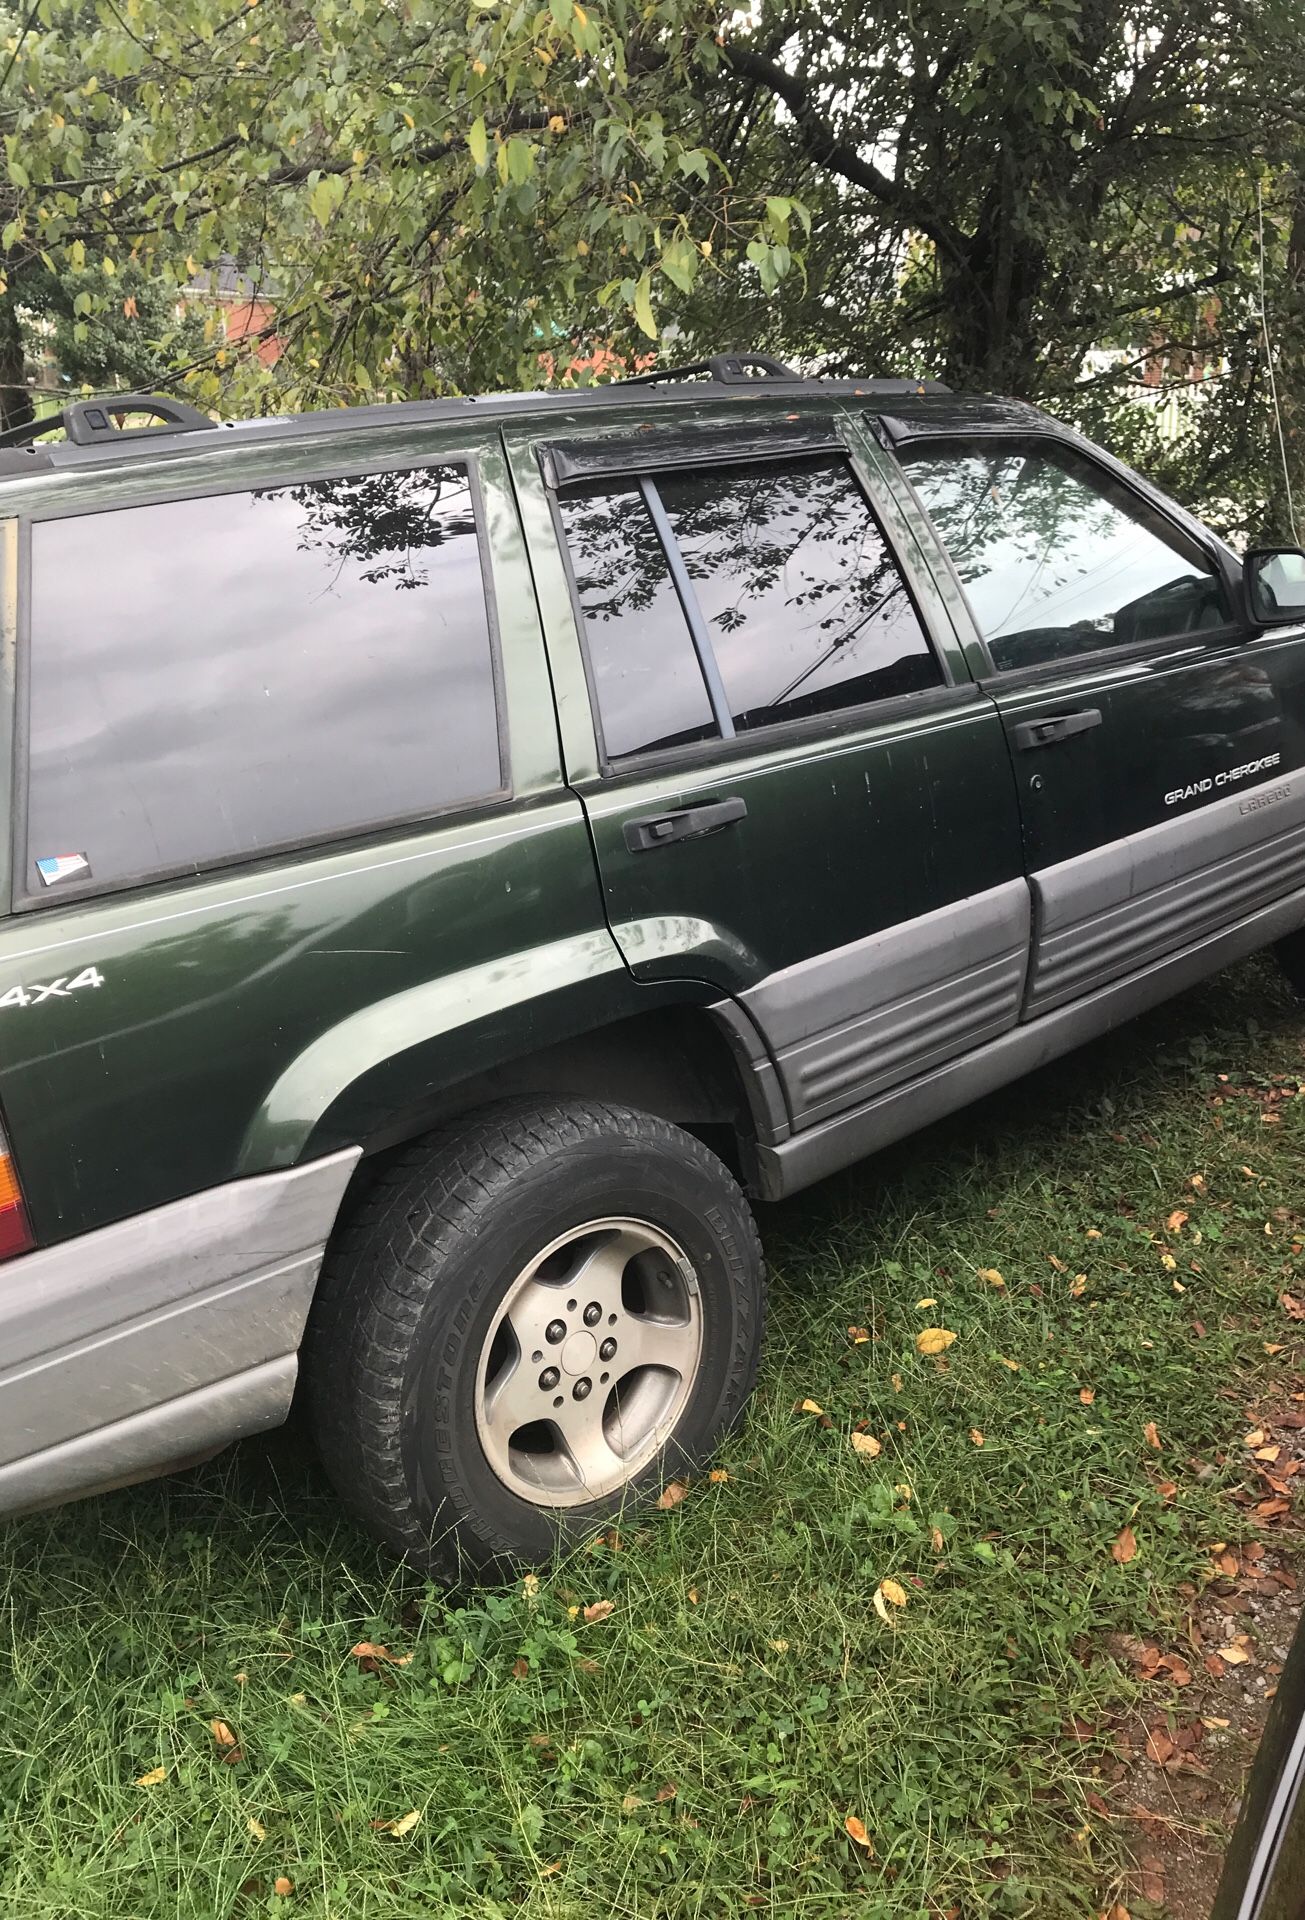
{"points": [[56, 867]]}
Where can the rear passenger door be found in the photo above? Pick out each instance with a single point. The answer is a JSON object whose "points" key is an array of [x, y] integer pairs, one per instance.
{"points": [[1141, 715], [796, 795]]}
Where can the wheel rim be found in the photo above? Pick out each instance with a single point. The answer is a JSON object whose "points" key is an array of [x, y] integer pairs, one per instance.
{"points": [[590, 1360]]}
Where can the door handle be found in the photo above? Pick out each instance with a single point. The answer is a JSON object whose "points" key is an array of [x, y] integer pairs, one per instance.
{"points": [[683, 823], [1057, 726]]}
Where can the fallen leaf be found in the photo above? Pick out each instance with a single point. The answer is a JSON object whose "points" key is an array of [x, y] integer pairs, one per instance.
{"points": [[521, 1668], [1152, 1884], [1197, 1183], [893, 1592], [1272, 1347], [283, 1885], [1168, 1262], [928, 1301], [1059, 1265], [1014, 1365], [1078, 1286], [153, 1778], [630, 1802], [897, 1382], [936, 1540], [1118, 1912], [931, 1340], [257, 1828], [1152, 1435], [1270, 1509], [778, 1646], [718, 1476], [1093, 1233], [880, 1604], [693, 1596], [976, 1438], [1250, 1173], [1267, 1453], [1159, 1747], [1087, 1395], [599, 1611], [856, 1833], [992, 1276], [810, 1406], [398, 1828], [1177, 1221], [368, 1650], [669, 1497], [1167, 1489], [1295, 1307], [1233, 1656], [858, 1336], [222, 1733], [867, 1444], [668, 1792], [1228, 1564], [1124, 1547]]}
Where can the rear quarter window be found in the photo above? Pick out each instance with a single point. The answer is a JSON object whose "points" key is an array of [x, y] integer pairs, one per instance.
{"points": [[214, 679]]}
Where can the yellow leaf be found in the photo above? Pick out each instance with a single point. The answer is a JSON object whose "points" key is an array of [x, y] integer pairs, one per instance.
{"points": [[671, 1496], [1124, 1547], [582, 16], [257, 1828], [992, 1276], [810, 1406], [153, 1778], [936, 1540], [1078, 1286], [1014, 1365], [976, 1437], [893, 1592], [718, 1476], [881, 1605], [599, 1611], [222, 1733], [928, 1301], [1272, 1347], [1093, 1233], [1177, 1221], [897, 1383], [779, 1646], [1152, 1435], [931, 1340], [399, 1827], [1234, 1656], [867, 1444], [1168, 1262], [1087, 1395], [556, 124], [1250, 1173], [856, 1833], [1057, 1263], [1197, 1183]]}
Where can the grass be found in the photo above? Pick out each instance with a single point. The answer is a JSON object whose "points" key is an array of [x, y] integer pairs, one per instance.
{"points": [[698, 1751]]}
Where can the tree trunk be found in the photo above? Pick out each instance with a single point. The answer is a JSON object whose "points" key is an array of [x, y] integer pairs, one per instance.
{"points": [[1288, 323], [15, 397]]}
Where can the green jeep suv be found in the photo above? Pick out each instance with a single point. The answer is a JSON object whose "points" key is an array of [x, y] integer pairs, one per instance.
{"points": [[459, 850]]}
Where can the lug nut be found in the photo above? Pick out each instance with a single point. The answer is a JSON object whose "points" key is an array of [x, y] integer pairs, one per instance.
{"points": [[548, 1379], [607, 1349], [555, 1331], [581, 1389], [593, 1314]]}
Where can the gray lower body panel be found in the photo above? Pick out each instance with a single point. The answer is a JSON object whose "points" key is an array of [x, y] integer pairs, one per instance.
{"points": [[1113, 911], [823, 1150], [850, 1023], [162, 1336]]}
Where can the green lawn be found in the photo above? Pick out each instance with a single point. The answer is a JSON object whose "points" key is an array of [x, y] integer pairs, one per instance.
{"points": [[698, 1751]]}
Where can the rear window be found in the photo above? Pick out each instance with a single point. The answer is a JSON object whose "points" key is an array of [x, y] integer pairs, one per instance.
{"points": [[219, 678]]}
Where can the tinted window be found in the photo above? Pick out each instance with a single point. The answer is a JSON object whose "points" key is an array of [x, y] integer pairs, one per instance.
{"points": [[211, 678], [649, 685], [1056, 558], [805, 607]]}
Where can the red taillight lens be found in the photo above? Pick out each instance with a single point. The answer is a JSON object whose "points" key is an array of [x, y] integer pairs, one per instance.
{"points": [[15, 1229]]}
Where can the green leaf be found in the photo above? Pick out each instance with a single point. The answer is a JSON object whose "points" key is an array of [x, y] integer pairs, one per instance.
{"points": [[643, 312], [478, 141]]}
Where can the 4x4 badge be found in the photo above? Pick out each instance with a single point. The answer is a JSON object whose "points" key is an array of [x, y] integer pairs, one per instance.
{"points": [[63, 866]]}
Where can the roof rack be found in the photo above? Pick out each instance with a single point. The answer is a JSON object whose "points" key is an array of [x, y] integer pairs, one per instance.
{"points": [[729, 368], [87, 422]]}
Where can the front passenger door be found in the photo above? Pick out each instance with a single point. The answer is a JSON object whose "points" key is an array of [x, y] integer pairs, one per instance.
{"points": [[1138, 716]]}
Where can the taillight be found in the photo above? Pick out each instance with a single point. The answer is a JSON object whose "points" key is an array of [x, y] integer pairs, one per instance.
{"points": [[15, 1228]]}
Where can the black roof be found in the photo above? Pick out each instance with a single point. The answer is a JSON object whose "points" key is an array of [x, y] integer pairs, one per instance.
{"points": [[95, 435]]}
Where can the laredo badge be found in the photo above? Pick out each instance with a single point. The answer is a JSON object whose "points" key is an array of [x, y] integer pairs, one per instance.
{"points": [[56, 867]]}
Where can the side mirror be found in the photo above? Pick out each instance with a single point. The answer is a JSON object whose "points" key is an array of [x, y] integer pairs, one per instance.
{"points": [[1275, 584]]}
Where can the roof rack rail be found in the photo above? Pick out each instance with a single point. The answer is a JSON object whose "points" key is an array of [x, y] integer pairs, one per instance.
{"points": [[87, 422], [731, 369]]}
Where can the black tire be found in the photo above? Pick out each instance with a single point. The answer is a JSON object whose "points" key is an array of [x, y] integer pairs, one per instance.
{"points": [[412, 1286], [1290, 955]]}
